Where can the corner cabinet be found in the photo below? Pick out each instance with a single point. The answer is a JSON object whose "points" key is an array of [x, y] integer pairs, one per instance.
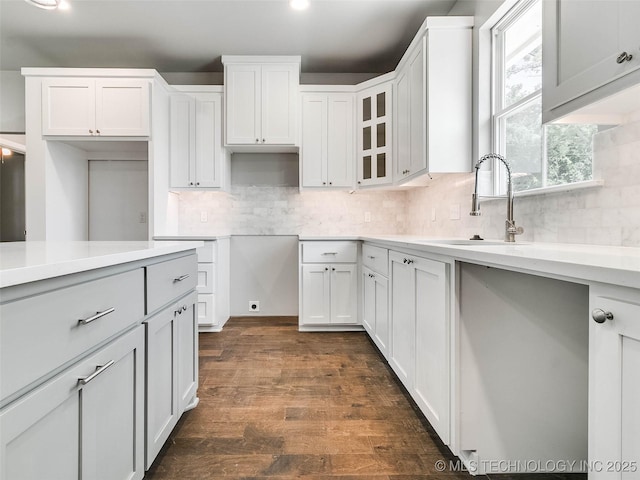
{"points": [[374, 134], [433, 89], [420, 325], [197, 158], [327, 150], [95, 107], [591, 50], [614, 384], [328, 285], [261, 96]]}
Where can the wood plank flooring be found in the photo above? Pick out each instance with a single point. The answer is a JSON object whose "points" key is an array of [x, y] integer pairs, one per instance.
{"points": [[277, 403]]}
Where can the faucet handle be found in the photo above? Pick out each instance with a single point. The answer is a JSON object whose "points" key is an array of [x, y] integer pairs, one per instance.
{"points": [[513, 229]]}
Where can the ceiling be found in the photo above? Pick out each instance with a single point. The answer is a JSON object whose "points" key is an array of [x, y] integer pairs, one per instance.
{"points": [[333, 36]]}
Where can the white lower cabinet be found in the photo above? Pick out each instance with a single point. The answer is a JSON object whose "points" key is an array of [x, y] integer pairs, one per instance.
{"points": [[420, 322], [614, 383], [85, 423], [328, 283], [172, 370], [375, 295], [375, 308]]}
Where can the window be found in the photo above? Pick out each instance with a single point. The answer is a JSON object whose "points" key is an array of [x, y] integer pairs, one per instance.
{"points": [[540, 156]]}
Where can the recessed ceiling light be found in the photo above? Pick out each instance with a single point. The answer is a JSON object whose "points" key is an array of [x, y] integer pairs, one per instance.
{"points": [[46, 4], [299, 4]]}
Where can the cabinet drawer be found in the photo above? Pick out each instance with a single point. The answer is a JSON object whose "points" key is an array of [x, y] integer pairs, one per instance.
{"points": [[376, 258], [169, 280], [329, 252], [206, 309], [40, 333], [206, 278], [207, 253]]}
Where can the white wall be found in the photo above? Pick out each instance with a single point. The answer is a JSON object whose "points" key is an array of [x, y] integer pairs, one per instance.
{"points": [[67, 195], [118, 199], [264, 269], [12, 95]]}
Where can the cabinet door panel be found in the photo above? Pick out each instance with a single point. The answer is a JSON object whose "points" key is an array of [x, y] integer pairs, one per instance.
{"points": [[614, 384], [402, 347], [316, 296], [187, 352], [122, 107], [432, 342], [182, 141], [417, 112], [68, 106], [344, 294], [403, 122], [113, 413], [382, 314], [340, 159], [243, 96], [46, 424], [208, 137], [314, 140], [207, 309], [162, 388], [278, 114], [369, 301]]}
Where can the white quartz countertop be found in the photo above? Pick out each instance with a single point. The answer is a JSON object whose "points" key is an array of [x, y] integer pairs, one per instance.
{"points": [[24, 262], [581, 263]]}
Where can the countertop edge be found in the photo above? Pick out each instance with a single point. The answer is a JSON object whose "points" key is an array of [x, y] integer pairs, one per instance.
{"points": [[31, 273]]}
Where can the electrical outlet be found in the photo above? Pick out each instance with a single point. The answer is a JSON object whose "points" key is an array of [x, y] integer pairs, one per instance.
{"points": [[433, 214], [367, 217], [143, 217], [454, 212], [254, 306], [204, 217]]}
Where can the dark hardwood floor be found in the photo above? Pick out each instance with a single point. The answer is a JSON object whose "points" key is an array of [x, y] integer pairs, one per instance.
{"points": [[277, 403]]}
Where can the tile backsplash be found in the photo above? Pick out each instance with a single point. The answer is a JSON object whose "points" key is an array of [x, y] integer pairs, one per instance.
{"points": [[604, 215]]}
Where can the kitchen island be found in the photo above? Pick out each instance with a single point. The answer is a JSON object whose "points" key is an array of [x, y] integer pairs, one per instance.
{"points": [[98, 353]]}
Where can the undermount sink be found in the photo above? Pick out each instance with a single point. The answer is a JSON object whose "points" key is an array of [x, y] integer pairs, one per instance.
{"points": [[462, 241]]}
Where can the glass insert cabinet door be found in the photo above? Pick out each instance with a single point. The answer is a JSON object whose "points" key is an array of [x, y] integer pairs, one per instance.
{"points": [[374, 135]]}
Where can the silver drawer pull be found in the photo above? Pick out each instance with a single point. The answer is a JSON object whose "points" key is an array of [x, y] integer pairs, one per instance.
{"points": [[181, 278], [99, 370], [84, 321], [330, 253]]}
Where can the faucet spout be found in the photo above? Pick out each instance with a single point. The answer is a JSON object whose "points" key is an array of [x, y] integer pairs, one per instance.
{"points": [[510, 225]]}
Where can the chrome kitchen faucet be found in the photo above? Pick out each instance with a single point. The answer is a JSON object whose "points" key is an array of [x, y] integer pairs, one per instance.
{"points": [[510, 225]]}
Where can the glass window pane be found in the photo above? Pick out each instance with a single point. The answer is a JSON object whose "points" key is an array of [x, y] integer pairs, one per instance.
{"points": [[381, 134], [569, 153], [381, 170], [366, 167], [523, 56], [366, 138], [381, 105], [523, 138], [366, 109]]}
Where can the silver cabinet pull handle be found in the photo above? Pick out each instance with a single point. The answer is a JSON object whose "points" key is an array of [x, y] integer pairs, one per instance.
{"points": [[330, 253], [371, 257], [99, 370], [600, 316], [84, 321], [624, 57], [181, 278]]}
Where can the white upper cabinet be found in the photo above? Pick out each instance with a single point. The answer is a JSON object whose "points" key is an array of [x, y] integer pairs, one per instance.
{"points": [[261, 101], [327, 152], [197, 157], [374, 135], [103, 107], [433, 101], [591, 50]]}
